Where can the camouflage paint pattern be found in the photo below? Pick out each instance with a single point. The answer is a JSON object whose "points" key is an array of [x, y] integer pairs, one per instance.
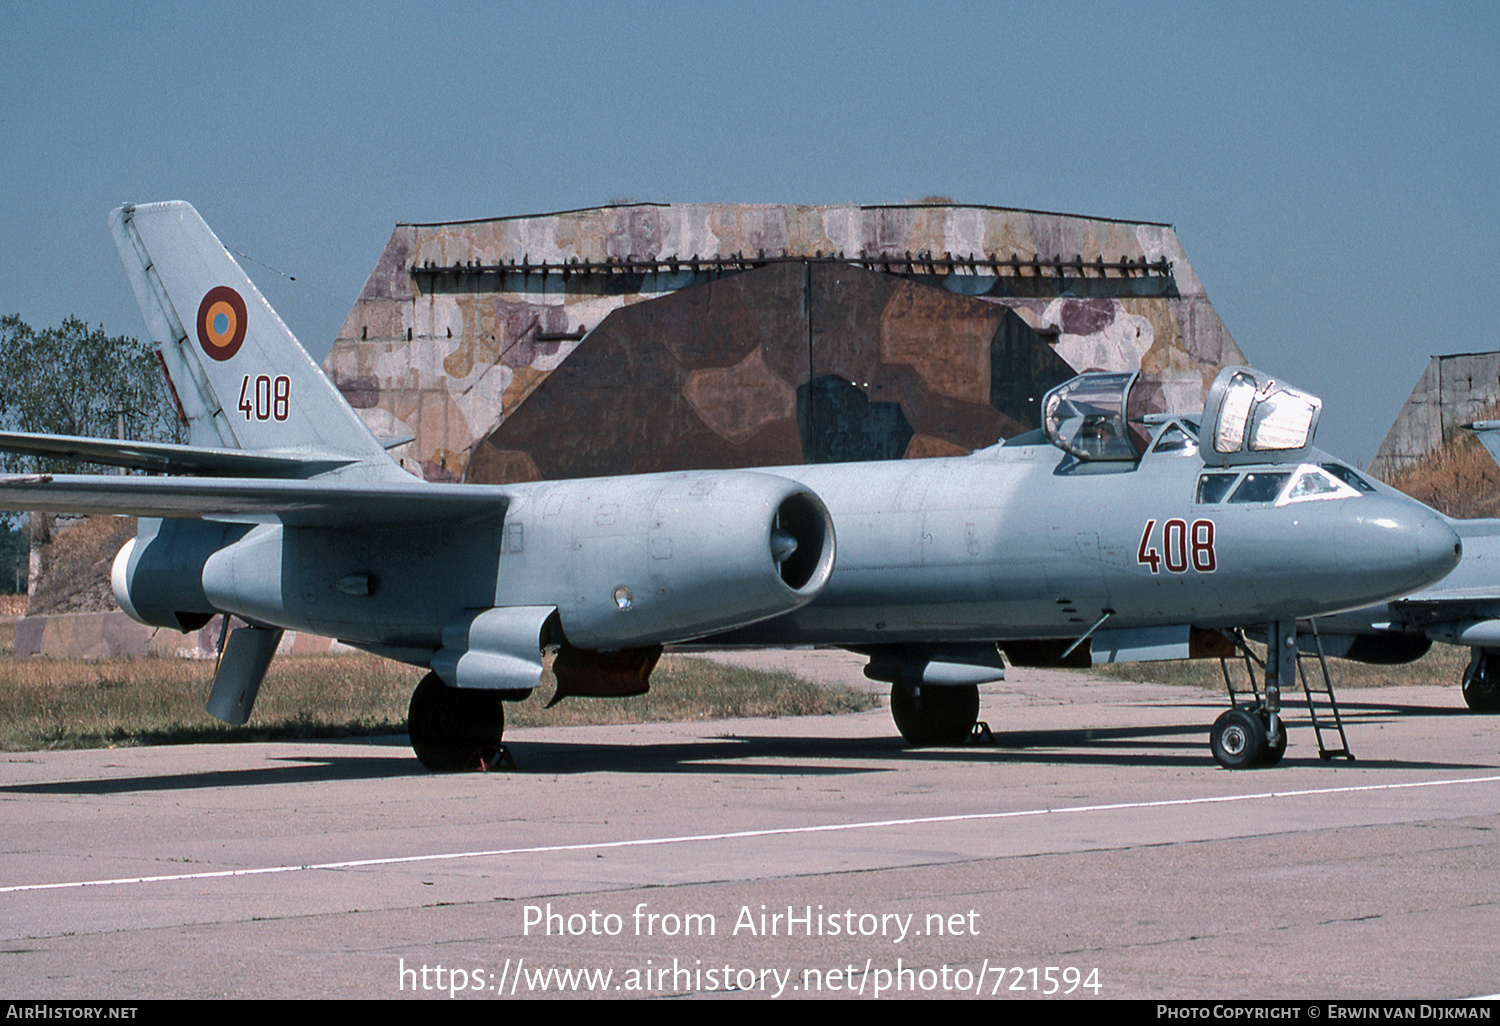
{"points": [[881, 344]]}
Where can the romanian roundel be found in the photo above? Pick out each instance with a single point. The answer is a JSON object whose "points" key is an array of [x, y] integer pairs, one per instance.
{"points": [[221, 322]]}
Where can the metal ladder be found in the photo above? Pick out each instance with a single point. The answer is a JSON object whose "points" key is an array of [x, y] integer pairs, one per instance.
{"points": [[1317, 697], [1251, 662], [1330, 710]]}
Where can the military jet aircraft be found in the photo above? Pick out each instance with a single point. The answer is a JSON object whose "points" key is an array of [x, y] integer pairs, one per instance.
{"points": [[1104, 534]]}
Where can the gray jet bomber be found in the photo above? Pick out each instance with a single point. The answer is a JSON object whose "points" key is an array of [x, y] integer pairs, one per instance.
{"points": [[1106, 535]]}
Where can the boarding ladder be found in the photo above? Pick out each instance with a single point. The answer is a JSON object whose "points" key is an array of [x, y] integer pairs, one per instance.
{"points": [[1320, 697]]}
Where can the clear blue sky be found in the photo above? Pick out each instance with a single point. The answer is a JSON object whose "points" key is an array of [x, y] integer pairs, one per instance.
{"points": [[1333, 170]]}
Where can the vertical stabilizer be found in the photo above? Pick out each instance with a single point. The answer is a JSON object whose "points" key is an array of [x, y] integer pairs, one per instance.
{"points": [[1488, 433], [242, 377]]}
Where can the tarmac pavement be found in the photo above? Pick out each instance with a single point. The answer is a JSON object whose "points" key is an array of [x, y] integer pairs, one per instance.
{"points": [[1095, 851]]}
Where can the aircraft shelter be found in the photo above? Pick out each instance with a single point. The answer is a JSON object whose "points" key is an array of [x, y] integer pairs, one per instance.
{"points": [[643, 337]]}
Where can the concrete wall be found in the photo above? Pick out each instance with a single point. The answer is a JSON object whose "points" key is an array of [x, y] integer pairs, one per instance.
{"points": [[115, 635], [1452, 390], [463, 325]]}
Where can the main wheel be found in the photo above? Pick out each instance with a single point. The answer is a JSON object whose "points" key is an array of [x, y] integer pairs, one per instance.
{"points": [[454, 729], [934, 715], [1238, 739], [1481, 684]]}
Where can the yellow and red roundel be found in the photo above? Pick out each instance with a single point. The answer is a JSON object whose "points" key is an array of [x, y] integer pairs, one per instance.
{"points": [[221, 322]]}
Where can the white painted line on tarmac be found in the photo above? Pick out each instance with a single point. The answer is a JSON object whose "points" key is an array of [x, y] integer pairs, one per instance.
{"points": [[642, 842]]}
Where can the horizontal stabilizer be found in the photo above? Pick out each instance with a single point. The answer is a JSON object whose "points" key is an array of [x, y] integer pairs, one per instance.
{"points": [[299, 503], [166, 458]]}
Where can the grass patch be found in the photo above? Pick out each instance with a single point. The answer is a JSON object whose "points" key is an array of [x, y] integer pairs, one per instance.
{"points": [[75, 703], [1442, 665]]}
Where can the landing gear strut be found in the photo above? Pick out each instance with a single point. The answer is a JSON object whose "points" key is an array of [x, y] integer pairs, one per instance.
{"points": [[1254, 736], [454, 729], [1481, 683], [935, 715]]}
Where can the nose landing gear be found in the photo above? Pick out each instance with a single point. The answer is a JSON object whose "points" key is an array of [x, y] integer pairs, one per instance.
{"points": [[1252, 735]]}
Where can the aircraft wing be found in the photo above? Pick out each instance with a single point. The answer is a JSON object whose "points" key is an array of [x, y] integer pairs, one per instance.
{"points": [[166, 458], [299, 503]]}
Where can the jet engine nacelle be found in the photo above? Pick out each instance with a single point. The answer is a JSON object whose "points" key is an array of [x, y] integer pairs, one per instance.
{"points": [[157, 576], [667, 558], [626, 562]]}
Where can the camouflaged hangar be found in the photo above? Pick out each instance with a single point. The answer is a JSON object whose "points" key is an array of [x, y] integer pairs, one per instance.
{"points": [[646, 337]]}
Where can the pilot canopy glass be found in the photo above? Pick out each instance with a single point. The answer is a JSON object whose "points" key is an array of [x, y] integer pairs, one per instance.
{"points": [[1086, 416]]}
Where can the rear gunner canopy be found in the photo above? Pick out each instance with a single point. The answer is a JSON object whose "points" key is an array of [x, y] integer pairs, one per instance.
{"points": [[1085, 416]]}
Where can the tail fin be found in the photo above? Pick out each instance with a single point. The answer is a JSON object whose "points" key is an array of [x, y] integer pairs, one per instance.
{"points": [[243, 379], [1488, 433]]}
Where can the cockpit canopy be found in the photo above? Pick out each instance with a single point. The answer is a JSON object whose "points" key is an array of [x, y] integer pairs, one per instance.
{"points": [[1250, 417], [1085, 416]]}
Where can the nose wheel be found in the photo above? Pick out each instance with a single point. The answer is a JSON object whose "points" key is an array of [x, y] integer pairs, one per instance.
{"points": [[1242, 739]]}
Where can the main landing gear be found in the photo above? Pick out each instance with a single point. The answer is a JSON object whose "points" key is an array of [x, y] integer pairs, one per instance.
{"points": [[1481, 684], [935, 715], [455, 729]]}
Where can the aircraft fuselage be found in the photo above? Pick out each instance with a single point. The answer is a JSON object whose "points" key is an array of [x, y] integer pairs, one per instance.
{"points": [[1025, 542], [1017, 542]]}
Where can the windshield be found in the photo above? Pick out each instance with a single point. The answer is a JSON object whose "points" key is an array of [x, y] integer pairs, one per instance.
{"points": [[1176, 437], [1305, 483]]}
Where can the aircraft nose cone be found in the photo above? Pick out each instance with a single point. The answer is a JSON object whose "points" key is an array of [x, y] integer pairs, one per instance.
{"points": [[1439, 548], [1409, 547]]}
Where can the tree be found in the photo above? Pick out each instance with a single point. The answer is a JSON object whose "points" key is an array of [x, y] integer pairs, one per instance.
{"points": [[76, 380], [14, 550]]}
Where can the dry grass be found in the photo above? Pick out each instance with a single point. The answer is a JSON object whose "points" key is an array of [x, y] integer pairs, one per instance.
{"points": [[63, 703], [1460, 478], [74, 576], [1443, 665]]}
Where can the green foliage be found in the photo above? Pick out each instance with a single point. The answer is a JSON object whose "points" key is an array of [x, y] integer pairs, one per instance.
{"points": [[76, 380], [14, 548]]}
